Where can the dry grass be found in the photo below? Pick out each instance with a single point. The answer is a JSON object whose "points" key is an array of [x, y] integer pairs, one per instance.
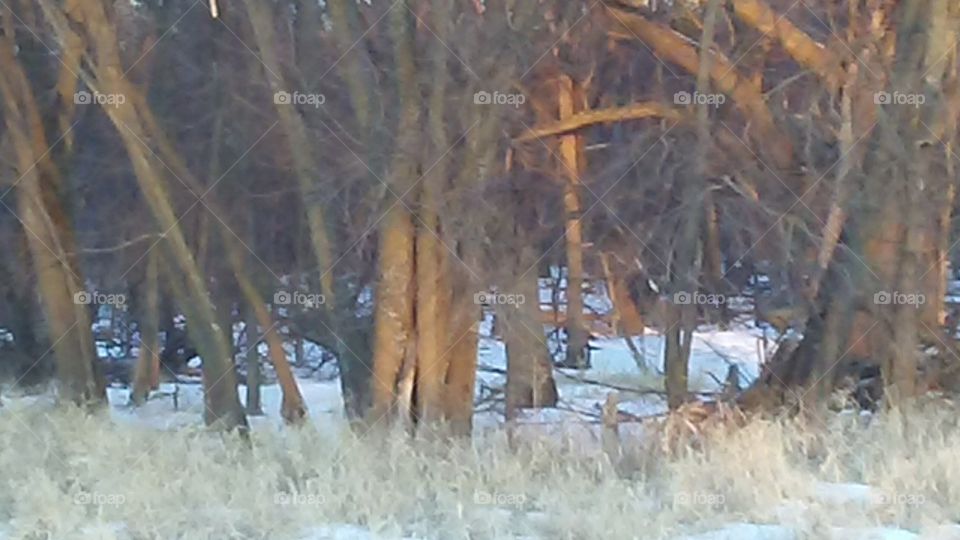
{"points": [[67, 475]]}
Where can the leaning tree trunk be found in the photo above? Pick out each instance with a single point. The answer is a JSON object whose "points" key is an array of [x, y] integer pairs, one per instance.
{"points": [[354, 382], [49, 240], [131, 117]]}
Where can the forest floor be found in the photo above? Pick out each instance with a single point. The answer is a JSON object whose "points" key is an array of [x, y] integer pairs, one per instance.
{"points": [[155, 473]]}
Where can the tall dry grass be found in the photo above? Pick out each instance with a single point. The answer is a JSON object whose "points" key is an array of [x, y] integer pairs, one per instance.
{"points": [[66, 475]]}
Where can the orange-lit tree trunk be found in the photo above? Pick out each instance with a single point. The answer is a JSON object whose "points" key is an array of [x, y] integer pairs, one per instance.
{"points": [[394, 325], [571, 156], [629, 319], [146, 375], [435, 342], [461, 376], [292, 408]]}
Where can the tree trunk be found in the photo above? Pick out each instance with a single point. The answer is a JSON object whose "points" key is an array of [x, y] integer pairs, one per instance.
{"points": [[223, 409], [394, 324], [530, 382], [50, 241], [462, 371], [677, 345], [393, 316], [261, 20], [573, 233], [432, 264], [147, 373], [292, 408], [629, 320], [253, 364], [713, 258]]}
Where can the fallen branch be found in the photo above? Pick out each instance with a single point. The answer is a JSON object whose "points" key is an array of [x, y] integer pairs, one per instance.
{"points": [[636, 111]]}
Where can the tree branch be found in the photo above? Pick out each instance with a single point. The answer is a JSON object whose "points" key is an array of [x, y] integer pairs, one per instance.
{"points": [[669, 45], [584, 119]]}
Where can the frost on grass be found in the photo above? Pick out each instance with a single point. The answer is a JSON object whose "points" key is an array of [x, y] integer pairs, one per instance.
{"points": [[66, 475]]}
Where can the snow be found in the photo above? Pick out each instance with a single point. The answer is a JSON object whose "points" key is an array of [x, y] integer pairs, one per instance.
{"points": [[846, 493], [746, 531], [322, 398], [180, 406], [941, 532], [749, 531], [338, 532]]}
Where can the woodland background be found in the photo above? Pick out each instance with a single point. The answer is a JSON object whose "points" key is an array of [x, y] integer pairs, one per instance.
{"points": [[358, 176]]}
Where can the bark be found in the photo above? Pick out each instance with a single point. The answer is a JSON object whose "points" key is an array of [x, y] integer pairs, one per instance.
{"points": [[629, 321], [355, 66], [147, 373], [393, 316], [675, 365], [292, 408], [67, 84], [343, 14], [432, 264], [925, 38], [461, 373], [530, 382], [712, 254], [943, 248], [681, 317], [394, 325], [570, 156], [253, 364], [356, 370]]}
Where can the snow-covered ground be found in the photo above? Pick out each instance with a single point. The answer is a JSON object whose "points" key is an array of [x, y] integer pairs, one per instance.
{"points": [[767, 482]]}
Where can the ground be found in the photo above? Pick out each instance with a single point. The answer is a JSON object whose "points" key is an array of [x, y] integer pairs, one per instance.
{"points": [[155, 473]]}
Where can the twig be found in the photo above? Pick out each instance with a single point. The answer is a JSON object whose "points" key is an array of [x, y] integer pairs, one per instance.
{"points": [[124, 245]]}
